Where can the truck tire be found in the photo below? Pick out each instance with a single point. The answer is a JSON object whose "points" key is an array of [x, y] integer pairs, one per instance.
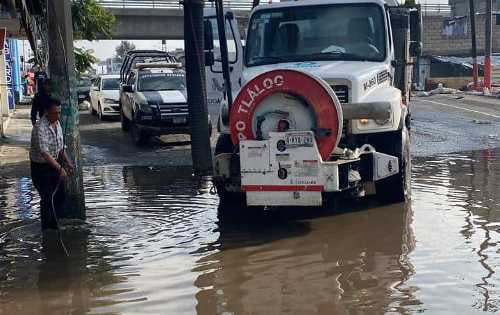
{"points": [[225, 145], [396, 188], [125, 123], [139, 137]]}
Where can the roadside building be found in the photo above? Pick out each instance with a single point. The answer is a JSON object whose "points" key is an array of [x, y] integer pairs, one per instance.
{"points": [[461, 7]]}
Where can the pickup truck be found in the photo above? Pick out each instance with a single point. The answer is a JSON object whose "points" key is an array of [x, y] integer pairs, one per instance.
{"points": [[154, 102]]}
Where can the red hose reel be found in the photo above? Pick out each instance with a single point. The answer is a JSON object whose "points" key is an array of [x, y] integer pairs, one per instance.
{"points": [[312, 90]]}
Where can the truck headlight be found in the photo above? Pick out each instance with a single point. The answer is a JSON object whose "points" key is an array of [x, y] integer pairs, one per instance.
{"points": [[367, 124], [382, 122]]}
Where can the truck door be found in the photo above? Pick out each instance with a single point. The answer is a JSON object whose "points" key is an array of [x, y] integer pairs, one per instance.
{"points": [[213, 74]]}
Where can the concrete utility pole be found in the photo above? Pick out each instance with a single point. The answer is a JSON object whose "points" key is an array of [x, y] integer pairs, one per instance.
{"points": [[472, 14], [487, 46], [201, 151], [62, 73]]}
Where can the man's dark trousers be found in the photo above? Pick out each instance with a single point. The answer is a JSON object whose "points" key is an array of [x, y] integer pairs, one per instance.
{"points": [[46, 179]]}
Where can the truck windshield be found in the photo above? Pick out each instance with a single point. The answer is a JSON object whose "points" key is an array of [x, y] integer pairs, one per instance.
{"points": [[319, 32], [161, 82]]}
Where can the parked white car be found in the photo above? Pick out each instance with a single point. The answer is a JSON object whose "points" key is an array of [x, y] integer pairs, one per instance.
{"points": [[105, 96]]}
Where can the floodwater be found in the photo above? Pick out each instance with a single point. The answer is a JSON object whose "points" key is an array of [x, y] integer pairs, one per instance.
{"points": [[153, 244]]}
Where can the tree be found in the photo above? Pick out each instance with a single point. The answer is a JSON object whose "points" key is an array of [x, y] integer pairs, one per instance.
{"points": [[84, 59], [124, 48], [90, 19]]}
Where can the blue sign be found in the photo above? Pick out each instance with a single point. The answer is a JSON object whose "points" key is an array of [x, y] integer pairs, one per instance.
{"points": [[9, 75]]}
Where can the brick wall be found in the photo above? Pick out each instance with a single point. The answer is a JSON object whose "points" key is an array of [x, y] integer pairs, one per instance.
{"points": [[435, 44]]}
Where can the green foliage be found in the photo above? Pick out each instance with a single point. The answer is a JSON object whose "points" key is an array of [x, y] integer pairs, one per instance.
{"points": [[84, 59], [123, 48], [90, 19]]}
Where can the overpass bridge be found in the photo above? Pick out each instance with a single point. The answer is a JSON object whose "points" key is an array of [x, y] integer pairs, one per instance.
{"points": [[163, 19]]}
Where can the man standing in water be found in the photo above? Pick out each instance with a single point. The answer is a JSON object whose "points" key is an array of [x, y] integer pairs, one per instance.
{"points": [[50, 164]]}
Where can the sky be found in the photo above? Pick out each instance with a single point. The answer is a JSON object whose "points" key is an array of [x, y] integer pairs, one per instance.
{"points": [[106, 48]]}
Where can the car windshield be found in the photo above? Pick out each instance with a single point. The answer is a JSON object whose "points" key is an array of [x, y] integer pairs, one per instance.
{"points": [[161, 81], [111, 84], [320, 32], [84, 83]]}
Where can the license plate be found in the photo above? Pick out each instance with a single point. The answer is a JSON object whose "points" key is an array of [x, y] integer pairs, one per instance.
{"points": [[299, 139], [179, 120]]}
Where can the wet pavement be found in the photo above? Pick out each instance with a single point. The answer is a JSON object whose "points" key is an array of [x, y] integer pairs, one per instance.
{"points": [[154, 242]]}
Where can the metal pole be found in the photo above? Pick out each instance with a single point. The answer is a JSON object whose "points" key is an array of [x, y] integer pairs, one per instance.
{"points": [[62, 70], [221, 26], [487, 46], [201, 151], [472, 13]]}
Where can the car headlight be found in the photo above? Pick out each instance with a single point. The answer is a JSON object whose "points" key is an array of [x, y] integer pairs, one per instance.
{"points": [[110, 101], [145, 107]]}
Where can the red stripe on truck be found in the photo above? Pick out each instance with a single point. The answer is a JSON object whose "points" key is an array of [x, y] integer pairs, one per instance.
{"points": [[282, 187]]}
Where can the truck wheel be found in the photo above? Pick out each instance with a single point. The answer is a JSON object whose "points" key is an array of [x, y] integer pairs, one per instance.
{"points": [[139, 137], [124, 121], [225, 145], [396, 188]]}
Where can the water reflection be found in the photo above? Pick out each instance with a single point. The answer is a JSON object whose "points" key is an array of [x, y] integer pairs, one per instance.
{"points": [[352, 262], [154, 244], [457, 195]]}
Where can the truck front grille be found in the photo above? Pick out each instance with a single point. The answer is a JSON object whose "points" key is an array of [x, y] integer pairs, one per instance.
{"points": [[342, 92], [173, 108]]}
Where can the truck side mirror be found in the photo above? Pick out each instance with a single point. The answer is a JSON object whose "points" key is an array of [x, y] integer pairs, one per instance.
{"points": [[209, 58], [208, 36], [415, 49], [128, 88]]}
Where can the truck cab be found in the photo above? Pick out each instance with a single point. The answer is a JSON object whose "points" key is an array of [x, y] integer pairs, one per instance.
{"points": [[356, 53]]}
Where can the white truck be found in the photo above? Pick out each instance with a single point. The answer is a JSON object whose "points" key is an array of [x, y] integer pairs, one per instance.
{"points": [[324, 104]]}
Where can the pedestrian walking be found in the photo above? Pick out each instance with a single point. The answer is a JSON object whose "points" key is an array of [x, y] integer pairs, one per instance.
{"points": [[40, 102], [50, 164], [40, 78]]}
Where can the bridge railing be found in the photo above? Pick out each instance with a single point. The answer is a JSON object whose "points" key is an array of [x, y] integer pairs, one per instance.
{"points": [[427, 9], [436, 9], [168, 4]]}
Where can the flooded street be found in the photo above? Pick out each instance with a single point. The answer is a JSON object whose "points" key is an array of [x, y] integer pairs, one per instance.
{"points": [[154, 244]]}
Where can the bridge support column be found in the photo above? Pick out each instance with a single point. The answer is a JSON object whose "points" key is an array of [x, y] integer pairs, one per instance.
{"points": [[62, 73], [201, 151]]}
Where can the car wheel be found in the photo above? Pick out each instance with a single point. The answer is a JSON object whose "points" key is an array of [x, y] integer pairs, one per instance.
{"points": [[125, 123], [92, 110], [139, 137], [101, 116], [396, 188]]}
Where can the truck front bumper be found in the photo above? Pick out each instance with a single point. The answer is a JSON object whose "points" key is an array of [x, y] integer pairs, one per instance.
{"points": [[155, 125], [275, 172]]}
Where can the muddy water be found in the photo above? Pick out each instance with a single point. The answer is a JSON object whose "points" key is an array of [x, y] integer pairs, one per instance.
{"points": [[154, 244]]}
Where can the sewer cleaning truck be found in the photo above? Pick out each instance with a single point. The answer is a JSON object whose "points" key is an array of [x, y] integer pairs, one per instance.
{"points": [[323, 108]]}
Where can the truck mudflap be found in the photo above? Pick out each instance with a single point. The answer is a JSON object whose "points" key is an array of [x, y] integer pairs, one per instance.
{"points": [[287, 169]]}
